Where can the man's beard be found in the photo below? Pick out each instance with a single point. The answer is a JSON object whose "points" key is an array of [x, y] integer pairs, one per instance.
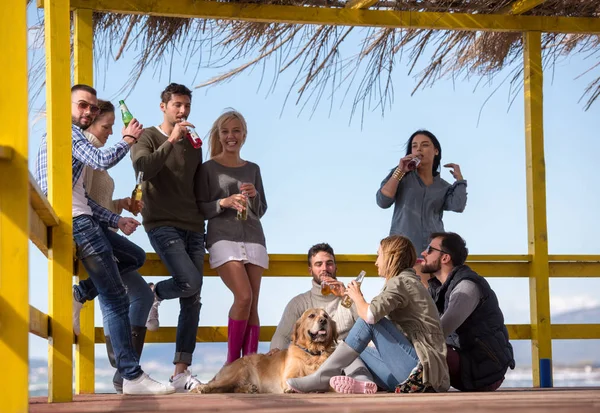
{"points": [[75, 122], [317, 277], [431, 268]]}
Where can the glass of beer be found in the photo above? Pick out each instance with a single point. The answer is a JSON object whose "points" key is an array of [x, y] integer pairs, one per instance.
{"points": [[325, 288], [347, 301], [243, 215]]}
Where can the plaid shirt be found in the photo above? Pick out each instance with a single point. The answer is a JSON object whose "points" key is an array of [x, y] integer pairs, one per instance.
{"points": [[84, 153]]}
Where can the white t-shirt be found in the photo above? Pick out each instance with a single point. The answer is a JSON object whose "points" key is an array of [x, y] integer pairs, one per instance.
{"points": [[80, 202]]}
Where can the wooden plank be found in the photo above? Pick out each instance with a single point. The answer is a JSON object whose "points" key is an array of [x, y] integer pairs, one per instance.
{"points": [[38, 231], [38, 322], [57, 26], [83, 42], [268, 13], [521, 6], [40, 204], [14, 209], [537, 231], [6, 153]]}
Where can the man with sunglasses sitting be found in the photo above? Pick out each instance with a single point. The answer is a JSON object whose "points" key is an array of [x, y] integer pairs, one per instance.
{"points": [[103, 253], [479, 353]]}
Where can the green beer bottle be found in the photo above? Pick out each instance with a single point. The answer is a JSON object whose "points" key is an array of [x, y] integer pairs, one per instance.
{"points": [[125, 113]]}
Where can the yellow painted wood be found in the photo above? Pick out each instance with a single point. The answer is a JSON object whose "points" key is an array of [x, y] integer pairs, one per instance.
{"points": [[539, 288], [219, 334], [38, 322], [342, 16], [14, 210], [521, 6], [6, 153], [60, 265], [41, 217], [360, 4], [576, 331], [84, 73]]}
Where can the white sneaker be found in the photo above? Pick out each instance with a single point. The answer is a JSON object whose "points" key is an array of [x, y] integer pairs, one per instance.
{"points": [[152, 323], [146, 385], [76, 313], [184, 382]]}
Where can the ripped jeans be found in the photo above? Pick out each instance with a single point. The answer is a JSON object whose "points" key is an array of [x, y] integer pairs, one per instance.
{"points": [[182, 252]]}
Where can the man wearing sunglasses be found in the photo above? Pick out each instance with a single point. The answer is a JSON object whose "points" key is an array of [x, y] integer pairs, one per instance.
{"points": [[103, 253], [479, 353]]}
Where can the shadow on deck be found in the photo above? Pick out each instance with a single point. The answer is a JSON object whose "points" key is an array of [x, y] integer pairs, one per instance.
{"points": [[518, 400]]}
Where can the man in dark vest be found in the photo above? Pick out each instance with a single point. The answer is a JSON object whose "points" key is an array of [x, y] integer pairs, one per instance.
{"points": [[479, 353]]}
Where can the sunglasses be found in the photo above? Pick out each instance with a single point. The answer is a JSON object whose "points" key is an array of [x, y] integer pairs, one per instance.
{"points": [[82, 105], [430, 248]]}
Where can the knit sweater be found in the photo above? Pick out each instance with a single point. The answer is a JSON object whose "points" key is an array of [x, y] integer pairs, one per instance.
{"points": [[343, 317], [98, 183], [217, 182], [171, 185]]}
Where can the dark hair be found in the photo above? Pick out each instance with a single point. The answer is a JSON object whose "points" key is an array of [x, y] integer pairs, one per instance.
{"points": [[105, 107], [317, 248], [437, 158], [174, 89], [453, 245], [85, 88]]}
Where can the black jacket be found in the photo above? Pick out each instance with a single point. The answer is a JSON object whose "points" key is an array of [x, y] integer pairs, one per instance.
{"points": [[485, 352]]}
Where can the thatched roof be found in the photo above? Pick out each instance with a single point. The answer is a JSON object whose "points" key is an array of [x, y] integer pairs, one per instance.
{"points": [[315, 52]]}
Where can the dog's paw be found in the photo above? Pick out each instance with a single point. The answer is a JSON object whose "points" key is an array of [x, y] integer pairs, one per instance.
{"points": [[252, 389], [201, 388], [289, 390]]}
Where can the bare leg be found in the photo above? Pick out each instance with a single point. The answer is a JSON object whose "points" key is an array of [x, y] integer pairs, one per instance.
{"points": [[255, 276], [233, 274]]}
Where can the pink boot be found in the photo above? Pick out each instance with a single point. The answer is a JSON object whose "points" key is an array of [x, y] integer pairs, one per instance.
{"points": [[251, 340], [235, 338]]}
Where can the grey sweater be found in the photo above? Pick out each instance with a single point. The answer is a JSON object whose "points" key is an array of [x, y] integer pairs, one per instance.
{"points": [[171, 178], [419, 208], [217, 182]]}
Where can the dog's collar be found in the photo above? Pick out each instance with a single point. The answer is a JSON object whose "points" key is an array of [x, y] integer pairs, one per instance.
{"points": [[312, 353]]}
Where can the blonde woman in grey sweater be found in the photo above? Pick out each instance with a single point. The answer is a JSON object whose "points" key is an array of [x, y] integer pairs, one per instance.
{"points": [[232, 199]]}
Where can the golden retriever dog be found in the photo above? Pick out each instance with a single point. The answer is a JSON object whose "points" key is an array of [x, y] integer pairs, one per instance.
{"points": [[313, 340]]}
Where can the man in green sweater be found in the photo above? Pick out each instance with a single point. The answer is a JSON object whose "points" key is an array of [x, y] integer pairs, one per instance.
{"points": [[173, 221]]}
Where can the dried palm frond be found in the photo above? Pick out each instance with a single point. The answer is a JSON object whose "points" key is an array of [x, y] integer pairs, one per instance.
{"points": [[320, 55]]}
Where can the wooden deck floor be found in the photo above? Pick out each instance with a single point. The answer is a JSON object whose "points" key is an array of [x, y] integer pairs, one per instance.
{"points": [[517, 400]]}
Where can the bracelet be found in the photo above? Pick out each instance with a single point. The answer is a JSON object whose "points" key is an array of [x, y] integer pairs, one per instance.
{"points": [[398, 174], [130, 136]]}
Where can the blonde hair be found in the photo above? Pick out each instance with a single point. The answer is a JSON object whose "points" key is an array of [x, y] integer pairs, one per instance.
{"points": [[215, 147], [398, 253]]}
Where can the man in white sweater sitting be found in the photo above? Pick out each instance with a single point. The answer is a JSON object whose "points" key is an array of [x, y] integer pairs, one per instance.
{"points": [[322, 267]]}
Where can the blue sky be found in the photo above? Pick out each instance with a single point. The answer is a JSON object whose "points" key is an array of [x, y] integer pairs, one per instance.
{"points": [[321, 172]]}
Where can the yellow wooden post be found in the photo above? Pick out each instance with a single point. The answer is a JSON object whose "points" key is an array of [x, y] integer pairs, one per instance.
{"points": [[539, 287], [60, 265], [14, 210], [84, 73]]}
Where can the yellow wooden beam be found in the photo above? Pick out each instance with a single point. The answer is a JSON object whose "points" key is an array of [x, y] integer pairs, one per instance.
{"points": [[6, 153], [14, 209], [60, 265], [83, 39], [360, 4], [41, 217], [521, 6], [38, 322], [219, 334], [268, 13], [539, 285]]}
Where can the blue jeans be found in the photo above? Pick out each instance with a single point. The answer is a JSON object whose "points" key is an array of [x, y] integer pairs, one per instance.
{"points": [[128, 257], [393, 357], [97, 254], [182, 252]]}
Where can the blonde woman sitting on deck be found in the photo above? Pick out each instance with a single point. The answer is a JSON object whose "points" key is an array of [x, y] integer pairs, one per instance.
{"points": [[403, 323]]}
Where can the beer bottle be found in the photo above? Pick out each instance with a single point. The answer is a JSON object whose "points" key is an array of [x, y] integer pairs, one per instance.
{"points": [[347, 301], [136, 195], [125, 113], [193, 137]]}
